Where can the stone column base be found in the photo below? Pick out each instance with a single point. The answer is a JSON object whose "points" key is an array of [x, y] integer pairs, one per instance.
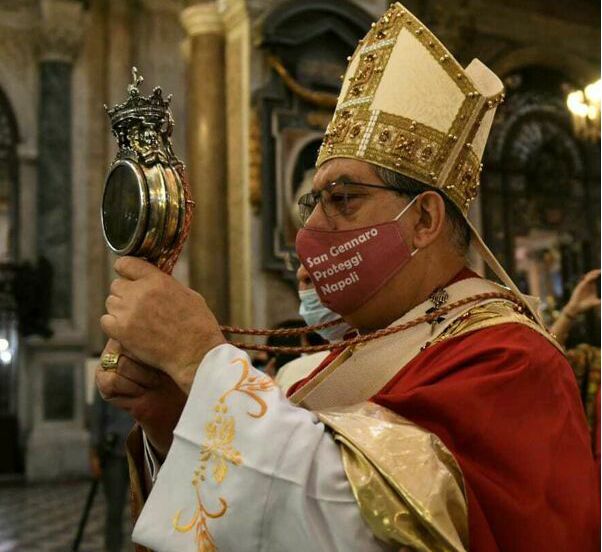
{"points": [[61, 453]]}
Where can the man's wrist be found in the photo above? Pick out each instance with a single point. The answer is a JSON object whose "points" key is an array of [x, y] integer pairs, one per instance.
{"points": [[184, 375]]}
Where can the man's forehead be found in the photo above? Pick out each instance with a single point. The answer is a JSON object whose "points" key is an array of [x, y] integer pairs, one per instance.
{"points": [[343, 169]]}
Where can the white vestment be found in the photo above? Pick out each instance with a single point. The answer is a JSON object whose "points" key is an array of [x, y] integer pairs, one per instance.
{"points": [[247, 470], [298, 369]]}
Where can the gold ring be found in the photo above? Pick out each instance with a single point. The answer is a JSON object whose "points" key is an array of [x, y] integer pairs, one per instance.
{"points": [[110, 361]]}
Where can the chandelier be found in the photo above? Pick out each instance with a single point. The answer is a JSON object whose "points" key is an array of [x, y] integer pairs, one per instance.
{"points": [[584, 106]]}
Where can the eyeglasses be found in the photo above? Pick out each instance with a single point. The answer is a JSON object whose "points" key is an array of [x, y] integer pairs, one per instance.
{"points": [[337, 198]]}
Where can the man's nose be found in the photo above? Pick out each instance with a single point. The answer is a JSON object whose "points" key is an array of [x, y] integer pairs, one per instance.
{"points": [[318, 219], [303, 279]]}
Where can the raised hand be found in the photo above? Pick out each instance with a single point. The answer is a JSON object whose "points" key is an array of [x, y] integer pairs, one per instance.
{"points": [[161, 322], [585, 295]]}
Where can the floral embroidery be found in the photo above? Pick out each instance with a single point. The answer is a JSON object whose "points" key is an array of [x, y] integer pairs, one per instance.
{"points": [[217, 453]]}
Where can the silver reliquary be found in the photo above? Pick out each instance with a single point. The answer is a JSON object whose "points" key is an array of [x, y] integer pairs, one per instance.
{"points": [[144, 204]]}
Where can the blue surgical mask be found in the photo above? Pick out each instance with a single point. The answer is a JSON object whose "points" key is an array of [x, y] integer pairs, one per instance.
{"points": [[314, 312]]}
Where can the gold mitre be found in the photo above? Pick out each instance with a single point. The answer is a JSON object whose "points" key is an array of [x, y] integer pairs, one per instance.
{"points": [[406, 104]]}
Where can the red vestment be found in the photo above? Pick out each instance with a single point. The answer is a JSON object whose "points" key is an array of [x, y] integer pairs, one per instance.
{"points": [[505, 402]]}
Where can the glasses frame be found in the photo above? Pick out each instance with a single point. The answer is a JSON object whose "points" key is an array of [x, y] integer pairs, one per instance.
{"points": [[316, 196]]}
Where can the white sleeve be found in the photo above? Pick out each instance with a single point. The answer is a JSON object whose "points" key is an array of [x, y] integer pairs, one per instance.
{"points": [[248, 471]]}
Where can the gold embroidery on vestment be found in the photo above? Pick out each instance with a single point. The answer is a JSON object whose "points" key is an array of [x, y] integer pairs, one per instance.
{"points": [[488, 315], [218, 451]]}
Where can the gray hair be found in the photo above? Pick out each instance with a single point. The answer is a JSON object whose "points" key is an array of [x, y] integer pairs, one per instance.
{"points": [[460, 231]]}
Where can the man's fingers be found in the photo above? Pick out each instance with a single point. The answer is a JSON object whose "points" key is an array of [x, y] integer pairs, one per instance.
{"points": [[591, 275], [119, 287], [142, 375], [133, 268], [112, 346], [111, 385], [113, 304], [108, 323]]}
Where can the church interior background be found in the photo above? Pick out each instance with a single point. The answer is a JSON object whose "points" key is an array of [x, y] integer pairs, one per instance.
{"points": [[254, 83]]}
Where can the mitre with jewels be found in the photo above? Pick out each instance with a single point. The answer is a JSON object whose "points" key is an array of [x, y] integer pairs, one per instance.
{"points": [[406, 104]]}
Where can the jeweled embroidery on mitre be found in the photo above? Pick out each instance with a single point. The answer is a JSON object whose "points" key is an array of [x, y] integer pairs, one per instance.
{"points": [[360, 130]]}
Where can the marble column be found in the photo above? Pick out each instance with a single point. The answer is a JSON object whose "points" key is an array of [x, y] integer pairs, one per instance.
{"points": [[54, 179], [206, 155], [57, 442], [61, 36], [238, 97]]}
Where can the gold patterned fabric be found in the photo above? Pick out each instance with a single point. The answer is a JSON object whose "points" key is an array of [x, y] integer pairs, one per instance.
{"points": [[406, 104], [491, 314], [585, 361], [408, 486]]}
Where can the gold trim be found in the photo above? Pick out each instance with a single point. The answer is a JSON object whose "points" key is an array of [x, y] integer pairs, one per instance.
{"points": [[321, 99], [217, 450], [157, 201], [408, 486], [110, 362], [175, 203], [255, 166], [489, 315]]}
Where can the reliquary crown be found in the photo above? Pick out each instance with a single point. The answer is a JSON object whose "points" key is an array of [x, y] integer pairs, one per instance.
{"points": [[143, 125]]}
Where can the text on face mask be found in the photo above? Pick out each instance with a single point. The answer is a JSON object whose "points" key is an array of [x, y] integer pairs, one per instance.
{"points": [[327, 289], [337, 250], [343, 266]]}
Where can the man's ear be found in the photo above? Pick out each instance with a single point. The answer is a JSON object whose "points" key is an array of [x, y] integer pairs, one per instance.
{"points": [[431, 219]]}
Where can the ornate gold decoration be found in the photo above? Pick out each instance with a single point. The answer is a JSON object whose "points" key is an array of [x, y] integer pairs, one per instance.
{"points": [[488, 315], [110, 361], [321, 99], [255, 161], [218, 452], [408, 486], [424, 153]]}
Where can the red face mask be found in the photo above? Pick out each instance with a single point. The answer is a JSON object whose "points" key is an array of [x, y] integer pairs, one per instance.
{"points": [[348, 267]]}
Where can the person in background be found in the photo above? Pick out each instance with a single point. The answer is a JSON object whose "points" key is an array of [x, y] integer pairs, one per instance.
{"points": [[583, 298], [584, 358], [108, 462], [313, 312], [277, 361]]}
